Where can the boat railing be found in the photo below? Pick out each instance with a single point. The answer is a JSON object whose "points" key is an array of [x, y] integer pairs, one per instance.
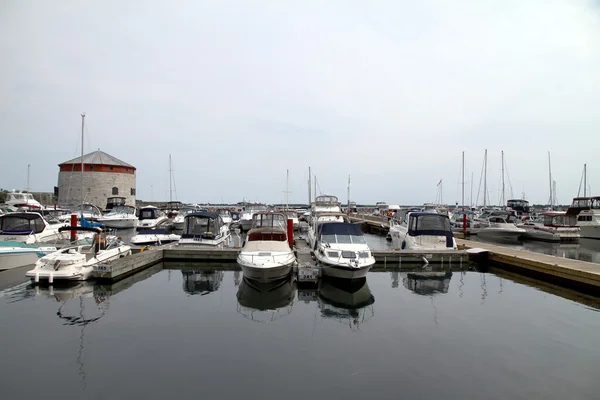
{"points": [[274, 257]]}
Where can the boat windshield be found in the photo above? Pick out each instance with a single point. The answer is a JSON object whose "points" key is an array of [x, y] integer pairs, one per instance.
{"points": [[343, 239], [429, 222], [326, 200], [122, 210], [560, 220], [148, 213], [21, 224], [274, 220]]}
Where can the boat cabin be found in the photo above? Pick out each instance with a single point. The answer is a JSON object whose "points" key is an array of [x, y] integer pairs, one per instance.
{"points": [[430, 224], [113, 202], [122, 209], [268, 226], [518, 206], [21, 199], [579, 204], [149, 212], [88, 209], [558, 219], [341, 233], [205, 225], [21, 223]]}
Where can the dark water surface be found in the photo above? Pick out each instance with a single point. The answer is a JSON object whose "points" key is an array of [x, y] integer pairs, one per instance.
{"points": [[184, 333]]}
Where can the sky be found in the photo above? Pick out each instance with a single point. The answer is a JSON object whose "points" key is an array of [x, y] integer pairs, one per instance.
{"points": [[389, 93]]}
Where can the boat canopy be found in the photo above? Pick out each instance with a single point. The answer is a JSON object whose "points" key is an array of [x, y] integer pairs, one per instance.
{"points": [[206, 225], [269, 220], [518, 205], [149, 212], [326, 200], [559, 219], [112, 202], [430, 224], [21, 223], [122, 209]]}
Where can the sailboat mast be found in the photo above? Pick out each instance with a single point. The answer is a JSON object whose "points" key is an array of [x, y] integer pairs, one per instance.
{"points": [[485, 179], [503, 194], [550, 181], [471, 189], [309, 187], [170, 180], [81, 174], [584, 180], [287, 185], [28, 167], [463, 181]]}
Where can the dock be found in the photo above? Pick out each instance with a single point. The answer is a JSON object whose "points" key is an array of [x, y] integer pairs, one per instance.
{"points": [[578, 274]]}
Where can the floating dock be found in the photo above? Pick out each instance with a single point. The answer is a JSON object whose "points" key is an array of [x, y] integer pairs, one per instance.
{"points": [[563, 271]]}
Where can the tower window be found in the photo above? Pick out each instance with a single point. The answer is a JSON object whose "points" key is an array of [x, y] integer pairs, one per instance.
{"points": [[115, 191], [133, 191]]}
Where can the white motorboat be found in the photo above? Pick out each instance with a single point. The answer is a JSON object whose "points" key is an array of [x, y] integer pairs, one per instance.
{"points": [[500, 228], [342, 251], [552, 226], [589, 220], [321, 218], [245, 220], [120, 217], [293, 215], [185, 210], [19, 254], [21, 200], [76, 263], [154, 236], [266, 255], [150, 217], [226, 216], [30, 228], [204, 229], [423, 231]]}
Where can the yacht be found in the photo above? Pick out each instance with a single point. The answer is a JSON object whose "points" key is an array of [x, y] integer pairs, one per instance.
{"points": [[76, 263], [16, 200], [154, 236], [266, 255], [204, 229], [500, 227], [150, 217], [589, 220], [423, 231], [342, 251], [552, 226], [30, 227], [120, 217], [519, 208], [245, 220], [19, 254], [321, 218]]}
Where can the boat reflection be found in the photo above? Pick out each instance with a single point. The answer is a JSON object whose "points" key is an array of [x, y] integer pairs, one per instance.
{"points": [[202, 282], [347, 302], [427, 283], [265, 302]]}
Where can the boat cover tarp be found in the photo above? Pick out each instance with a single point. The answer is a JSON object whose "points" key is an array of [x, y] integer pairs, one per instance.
{"points": [[88, 224], [430, 224]]}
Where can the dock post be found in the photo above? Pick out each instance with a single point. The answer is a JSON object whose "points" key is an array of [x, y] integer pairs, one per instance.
{"points": [[73, 223], [290, 232]]}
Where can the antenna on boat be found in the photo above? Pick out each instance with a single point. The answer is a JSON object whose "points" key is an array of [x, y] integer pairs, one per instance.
{"points": [[81, 174], [463, 181], [485, 179], [287, 192], [170, 180], [584, 180]]}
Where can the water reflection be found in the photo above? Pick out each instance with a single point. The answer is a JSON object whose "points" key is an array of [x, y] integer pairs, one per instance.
{"points": [[427, 283], [202, 281], [347, 302], [265, 302]]}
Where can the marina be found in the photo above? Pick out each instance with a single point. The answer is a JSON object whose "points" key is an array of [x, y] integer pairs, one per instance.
{"points": [[328, 200]]}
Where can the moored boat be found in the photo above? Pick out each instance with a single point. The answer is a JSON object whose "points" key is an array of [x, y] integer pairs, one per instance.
{"points": [[154, 236], [204, 229], [552, 226], [120, 217], [266, 255], [30, 228], [423, 231], [150, 217]]}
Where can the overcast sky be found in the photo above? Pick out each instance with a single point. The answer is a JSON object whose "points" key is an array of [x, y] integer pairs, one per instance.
{"points": [[389, 92]]}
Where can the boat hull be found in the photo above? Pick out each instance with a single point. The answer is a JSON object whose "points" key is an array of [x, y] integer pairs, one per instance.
{"points": [[501, 234], [342, 271], [17, 260], [590, 232], [119, 223], [549, 236], [266, 274]]}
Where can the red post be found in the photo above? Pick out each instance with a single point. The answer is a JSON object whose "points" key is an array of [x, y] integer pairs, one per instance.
{"points": [[73, 223], [464, 224], [290, 232]]}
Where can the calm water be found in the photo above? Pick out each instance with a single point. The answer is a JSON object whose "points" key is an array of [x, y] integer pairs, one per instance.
{"points": [[185, 333]]}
